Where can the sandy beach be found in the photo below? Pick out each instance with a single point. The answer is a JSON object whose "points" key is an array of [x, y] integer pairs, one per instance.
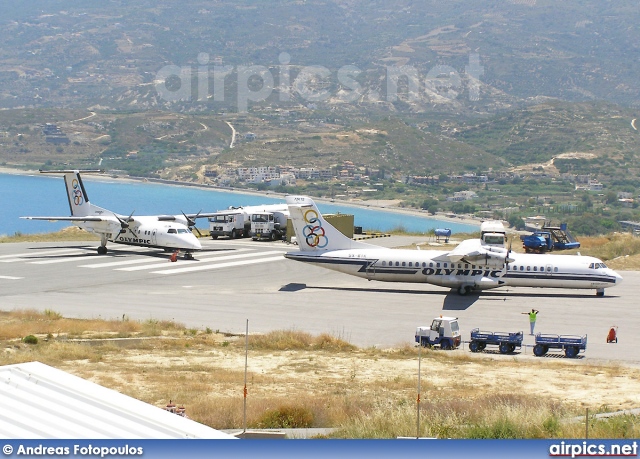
{"points": [[382, 205]]}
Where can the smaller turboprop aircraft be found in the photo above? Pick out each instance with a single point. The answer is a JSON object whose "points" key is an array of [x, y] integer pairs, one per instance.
{"points": [[474, 264], [169, 232]]}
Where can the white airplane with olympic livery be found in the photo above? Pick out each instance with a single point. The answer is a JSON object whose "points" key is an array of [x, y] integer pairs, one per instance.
{"points": [[472, 265], [168, 232]]}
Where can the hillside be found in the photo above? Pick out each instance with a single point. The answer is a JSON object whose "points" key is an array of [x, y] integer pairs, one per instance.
{"points": [[62, 53], [542, 132], [556, 137], [520, 91]]}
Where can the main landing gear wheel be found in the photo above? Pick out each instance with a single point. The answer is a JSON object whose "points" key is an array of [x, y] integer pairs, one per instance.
{"points": [[188, 256], [600, 292], [102, 250], [464, 290]]}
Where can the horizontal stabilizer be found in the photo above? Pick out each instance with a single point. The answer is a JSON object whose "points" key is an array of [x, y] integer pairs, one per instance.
{"points": [[75, 171], [70, 219]]}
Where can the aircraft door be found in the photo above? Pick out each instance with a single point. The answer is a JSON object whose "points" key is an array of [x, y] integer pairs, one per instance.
{"points": [[153, 236], [371, 271]]}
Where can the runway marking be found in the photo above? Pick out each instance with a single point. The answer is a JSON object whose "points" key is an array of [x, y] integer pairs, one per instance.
{"points": [[219, 265], [11, 277], [57, 260], [254, 243], [20, 256], [89, 250], [199, 262], [110, 264]]}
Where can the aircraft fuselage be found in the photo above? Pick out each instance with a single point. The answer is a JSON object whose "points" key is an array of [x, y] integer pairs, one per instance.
{"points": [[147, 232], [526, 270]]}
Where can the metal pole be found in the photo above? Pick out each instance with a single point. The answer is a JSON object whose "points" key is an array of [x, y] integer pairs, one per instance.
{"points": [[418, 404], [246, 351], [586, 424]]}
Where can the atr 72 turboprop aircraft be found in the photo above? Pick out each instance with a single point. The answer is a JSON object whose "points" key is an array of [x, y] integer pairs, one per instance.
{"points": [[472, 265], [169, 232]]}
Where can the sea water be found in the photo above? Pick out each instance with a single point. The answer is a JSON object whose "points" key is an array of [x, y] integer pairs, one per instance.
{"points": [[44, 195]]}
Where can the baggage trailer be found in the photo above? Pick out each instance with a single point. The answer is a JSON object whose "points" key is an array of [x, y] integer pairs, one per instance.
{"points": [[571, 344], [506, 342]]}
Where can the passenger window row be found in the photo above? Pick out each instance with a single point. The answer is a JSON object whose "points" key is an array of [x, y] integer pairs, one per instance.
{"points": [[535, 268], [431, 265]]}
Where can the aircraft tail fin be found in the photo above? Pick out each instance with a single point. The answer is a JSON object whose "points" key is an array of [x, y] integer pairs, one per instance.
{"points": [[313, 232], [76, 194]]}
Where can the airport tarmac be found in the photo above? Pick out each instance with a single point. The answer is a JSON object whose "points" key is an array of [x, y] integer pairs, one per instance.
{"points": [[232, 281]]}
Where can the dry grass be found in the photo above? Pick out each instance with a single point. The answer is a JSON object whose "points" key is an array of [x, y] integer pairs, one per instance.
{"points": [[298, 380], [52, 325], [71, 233], [281, 340], [618, 251]]}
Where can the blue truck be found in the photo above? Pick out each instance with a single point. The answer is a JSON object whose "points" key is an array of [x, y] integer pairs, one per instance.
{"points": [[506, 342], [549, 238], [572, 345]]}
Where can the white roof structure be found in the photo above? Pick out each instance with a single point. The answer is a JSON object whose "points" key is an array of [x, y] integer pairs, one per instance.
{"points": [[39, 401]]}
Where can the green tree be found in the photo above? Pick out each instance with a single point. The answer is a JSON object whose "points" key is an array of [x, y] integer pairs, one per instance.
{"points": [[430, 205]]}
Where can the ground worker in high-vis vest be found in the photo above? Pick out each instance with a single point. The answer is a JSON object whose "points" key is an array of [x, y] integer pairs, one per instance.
{"points": [[533, 315]]}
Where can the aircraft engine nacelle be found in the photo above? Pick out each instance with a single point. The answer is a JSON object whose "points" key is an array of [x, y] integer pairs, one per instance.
{"points": [[487, 283]]}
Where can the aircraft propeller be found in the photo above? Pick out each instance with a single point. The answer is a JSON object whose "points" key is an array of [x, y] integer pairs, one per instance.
{"points": [[191, 223], [124, 224], [508, 260]]}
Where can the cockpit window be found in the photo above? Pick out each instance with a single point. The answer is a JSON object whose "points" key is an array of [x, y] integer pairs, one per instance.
{"points": [[182, 231], [172, 231], [597, 266]]}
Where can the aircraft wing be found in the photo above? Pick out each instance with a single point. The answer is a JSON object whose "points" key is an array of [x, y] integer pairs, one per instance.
{"points": [[71, 219], [171, 218], [474, 251], [203, 215]]}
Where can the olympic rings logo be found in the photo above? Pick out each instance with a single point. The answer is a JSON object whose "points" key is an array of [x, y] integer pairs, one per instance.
{"points": [[76, 193], [314, 233]]}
